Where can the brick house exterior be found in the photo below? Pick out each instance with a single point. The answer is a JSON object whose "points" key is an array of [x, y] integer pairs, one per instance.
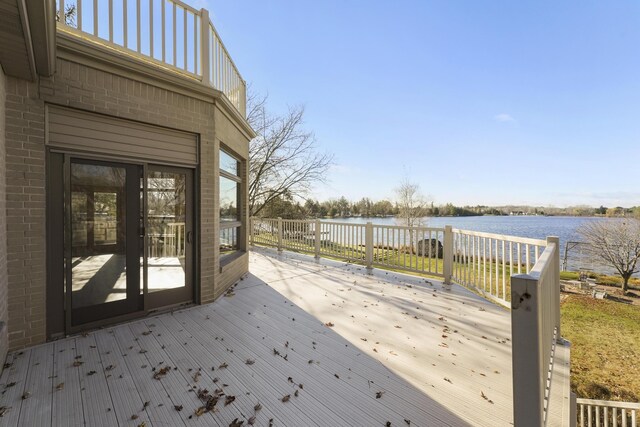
{"points": [[67, 74]]}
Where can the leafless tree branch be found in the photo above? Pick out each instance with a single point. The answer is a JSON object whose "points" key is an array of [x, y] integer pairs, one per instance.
{"points": [[615, 243], [283, 157]]}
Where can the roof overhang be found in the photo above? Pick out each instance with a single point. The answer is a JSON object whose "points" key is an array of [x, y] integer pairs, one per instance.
{"points": [[27, 38]]}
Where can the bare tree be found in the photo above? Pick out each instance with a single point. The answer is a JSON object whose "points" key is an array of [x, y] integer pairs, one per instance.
{"points": [[616, 243], [283, 158], [412, 207]]}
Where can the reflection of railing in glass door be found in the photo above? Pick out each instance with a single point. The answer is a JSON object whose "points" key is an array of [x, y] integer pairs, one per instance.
{"points": [[170, 242]]}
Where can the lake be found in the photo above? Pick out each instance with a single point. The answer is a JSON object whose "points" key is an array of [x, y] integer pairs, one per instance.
{"points": [[537, 227]]}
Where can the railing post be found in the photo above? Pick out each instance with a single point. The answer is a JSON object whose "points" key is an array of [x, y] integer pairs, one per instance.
{"points": [[204, 47], [317, 238], [251, 231], [368, 245], [555, 265], [447, 256], [526, 346], [573, 411], [279, 234]]}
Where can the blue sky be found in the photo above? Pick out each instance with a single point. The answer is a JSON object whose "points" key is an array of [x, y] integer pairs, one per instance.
{"points": [[480, 102]]}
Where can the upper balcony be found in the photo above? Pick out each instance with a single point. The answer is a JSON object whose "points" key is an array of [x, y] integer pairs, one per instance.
{"points": [[167, 33]]}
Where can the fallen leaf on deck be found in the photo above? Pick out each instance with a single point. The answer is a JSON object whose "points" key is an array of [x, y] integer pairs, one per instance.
{"points": [[134, 417], [178, 407], [25, 395], [146, 333], [398, 327], [161, 373], [448, 380], [251, 421], [228, 400], [224, 365], [200, 411], [329, 324], [250, 362], [236, 423], [77, 363], [379, 394], [407, 421], [60, 386], [286, 398], [4, 410], [336, 375], [257, 407], [296, 393]]}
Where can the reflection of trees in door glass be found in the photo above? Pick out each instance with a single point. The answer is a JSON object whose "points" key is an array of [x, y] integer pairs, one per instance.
{"points": [[79, 218], [166, 204], [105, 211]]}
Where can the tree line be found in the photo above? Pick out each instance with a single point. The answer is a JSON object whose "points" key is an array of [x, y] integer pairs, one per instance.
{"points": [[286, 207]]}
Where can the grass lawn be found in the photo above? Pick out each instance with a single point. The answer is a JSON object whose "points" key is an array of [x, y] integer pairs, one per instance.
{"points": [[605, 347]]}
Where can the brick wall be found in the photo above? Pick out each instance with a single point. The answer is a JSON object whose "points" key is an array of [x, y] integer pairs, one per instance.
{"points": [[3, 229], [88, 88], [25, 194]]}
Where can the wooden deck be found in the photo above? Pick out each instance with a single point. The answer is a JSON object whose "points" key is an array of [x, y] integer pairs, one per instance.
{"points": [[346, 348]]}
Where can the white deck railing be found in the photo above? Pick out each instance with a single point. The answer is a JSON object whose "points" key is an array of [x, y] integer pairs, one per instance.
{"points": [[168, 33], [482, 261], [606, 413], [414, 249], [486, 261], [535, 332]]}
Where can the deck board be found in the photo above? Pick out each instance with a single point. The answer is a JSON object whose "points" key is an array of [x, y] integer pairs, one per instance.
{"points": [[67, 399], [36, 408], [409, 365], [14, 379], [97, 401]]}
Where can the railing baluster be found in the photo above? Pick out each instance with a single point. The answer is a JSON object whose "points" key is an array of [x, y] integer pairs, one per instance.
{"points": [[79, 11], [125, 23], [61, 13], [111, 21], [184, 39], [175, 32], [163, 26], [528, 255], [138, 43], [151, 28], [95, 17], [195, 44], [504, 272]]}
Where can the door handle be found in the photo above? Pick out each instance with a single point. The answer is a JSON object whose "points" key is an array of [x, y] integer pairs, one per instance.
{"points": [[189, 237]]}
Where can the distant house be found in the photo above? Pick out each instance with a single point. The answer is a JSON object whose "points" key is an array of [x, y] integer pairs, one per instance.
{"points": [[122, 135]]}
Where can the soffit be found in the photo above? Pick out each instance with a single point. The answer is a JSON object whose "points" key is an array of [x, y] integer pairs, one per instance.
{"points": [[15, 49]]}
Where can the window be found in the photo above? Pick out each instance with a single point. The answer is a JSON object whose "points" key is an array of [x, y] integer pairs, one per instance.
{"points": [[231, 227]]}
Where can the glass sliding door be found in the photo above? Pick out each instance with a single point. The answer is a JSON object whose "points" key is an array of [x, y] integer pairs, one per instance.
{"points": [[103, 237], [125, 240], [169, 236]]}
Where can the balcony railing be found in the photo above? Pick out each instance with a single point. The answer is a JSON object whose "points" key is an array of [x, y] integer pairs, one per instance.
{"points": [[606, 413], [169, 33], [519, 273]]}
